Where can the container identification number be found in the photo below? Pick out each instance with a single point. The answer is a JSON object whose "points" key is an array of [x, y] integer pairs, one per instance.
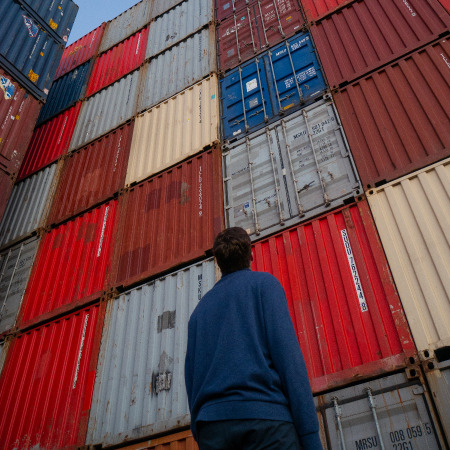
{"points": [[400, 439]]}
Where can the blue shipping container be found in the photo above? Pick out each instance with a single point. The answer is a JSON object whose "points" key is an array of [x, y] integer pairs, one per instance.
{"points": [[57, 16], [27, 52], [282, 80], [66, 91]]}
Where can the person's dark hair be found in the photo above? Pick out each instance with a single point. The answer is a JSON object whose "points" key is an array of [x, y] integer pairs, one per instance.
{"points": [[233, 250]]}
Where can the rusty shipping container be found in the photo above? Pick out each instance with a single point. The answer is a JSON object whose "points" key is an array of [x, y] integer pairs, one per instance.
{"points": [[80, 51], [175, 130], [18, 113], [226, 8], [397, 120], [251, 30], [118, 61], [363, 36], [45, 405], [314, 10], [71, 266], [182, 440], [169, 219], [92, 174], [343, 303], [412, 215], [139, 389], [6, 185], [49, 141]]}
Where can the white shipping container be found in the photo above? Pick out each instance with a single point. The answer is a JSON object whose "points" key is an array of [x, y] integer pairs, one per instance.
{"points": [[106, 110], [29, 204], [288, 172], [177, 23], [177, 68], [139, 388], [412, 215], [174, 130]]}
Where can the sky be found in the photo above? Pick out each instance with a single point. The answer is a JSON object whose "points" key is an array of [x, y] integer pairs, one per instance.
{"points": [[92, 13]]}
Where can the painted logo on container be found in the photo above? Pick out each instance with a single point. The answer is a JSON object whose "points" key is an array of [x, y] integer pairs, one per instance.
{"points": [[7, 87], [32, 28]]}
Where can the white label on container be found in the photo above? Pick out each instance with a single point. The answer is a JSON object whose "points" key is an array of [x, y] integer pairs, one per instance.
{"points": [[354, 271], [413, 14], [200, 192], [237, 132], [252, 84], [80, 351], [103, 232], [253, 102]]}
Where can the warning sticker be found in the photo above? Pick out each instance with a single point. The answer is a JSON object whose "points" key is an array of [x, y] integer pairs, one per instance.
{"points": [[252, 84]]}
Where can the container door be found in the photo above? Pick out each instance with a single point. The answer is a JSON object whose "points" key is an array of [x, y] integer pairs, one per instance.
{"points": [[245, 99], [390, 413], [317, 161], [254, 185], [293, 73]]}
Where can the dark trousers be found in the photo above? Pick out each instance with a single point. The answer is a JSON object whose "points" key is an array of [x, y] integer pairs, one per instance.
{"points": [[254, 434]]}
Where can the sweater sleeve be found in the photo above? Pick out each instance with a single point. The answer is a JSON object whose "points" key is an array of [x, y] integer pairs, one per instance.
{"points": [[289, 363]]}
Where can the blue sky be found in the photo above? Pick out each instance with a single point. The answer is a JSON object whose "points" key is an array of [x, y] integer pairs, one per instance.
{"points": [[92, 13]]}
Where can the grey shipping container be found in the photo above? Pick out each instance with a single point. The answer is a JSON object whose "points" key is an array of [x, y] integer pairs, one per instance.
{"points": [[392, 412], [177, 68], [27, 52], [106, 110], [161, 6], [139, 388], [15, 268], [288, 172], [177, 23], [28, 205], [126, 24]]}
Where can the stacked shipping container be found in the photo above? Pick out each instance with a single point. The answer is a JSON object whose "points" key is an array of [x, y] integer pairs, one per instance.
{"points": [[134, 175]]}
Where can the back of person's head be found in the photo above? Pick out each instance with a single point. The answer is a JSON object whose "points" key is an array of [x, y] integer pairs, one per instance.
{"points": [[233, 250]]}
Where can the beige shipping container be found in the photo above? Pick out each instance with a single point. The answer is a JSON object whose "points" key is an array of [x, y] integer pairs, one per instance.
{"points": [[412, 215], [175, 130]]}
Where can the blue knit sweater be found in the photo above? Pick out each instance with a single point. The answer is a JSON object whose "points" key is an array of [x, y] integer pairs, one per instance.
{"points": [[243, 359]]}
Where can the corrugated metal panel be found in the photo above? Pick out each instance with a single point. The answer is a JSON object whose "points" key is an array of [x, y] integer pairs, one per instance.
{"points": [[15, 268], [174, 130], [126, 24], [26, 51], [58, 16], [3, 352], [161, 6], [285, 78], [413, 218], [251, 30], [445, 4], [397, 119], [80, 51], [118, 61], [140, 389], [43, 407], [366, 35], [180, 441], [177, 68], [391, 412], [185, 210], [342, 300], [316, 9], [225, 8], [66, 91], [28, 205], [18, 114], [177, 23], [49, 141], [106, 110], [71, 265], [92, 174], [288, 172], [6, 185]]}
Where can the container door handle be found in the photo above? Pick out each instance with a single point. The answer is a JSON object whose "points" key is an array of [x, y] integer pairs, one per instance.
{"points": [[373, 407], [338, 414]]}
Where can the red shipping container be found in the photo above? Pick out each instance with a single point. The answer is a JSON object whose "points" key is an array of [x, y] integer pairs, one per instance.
{"points": [[47, 382], [50, 141], [118, 61], [445, 4], [316, 9], [254, 29], [397, 120], [80, 51], [169, 219], [92, 174], [18, 114], [342, 299], [6, 185], [70, 266], [364, 36], [226, 8]]}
